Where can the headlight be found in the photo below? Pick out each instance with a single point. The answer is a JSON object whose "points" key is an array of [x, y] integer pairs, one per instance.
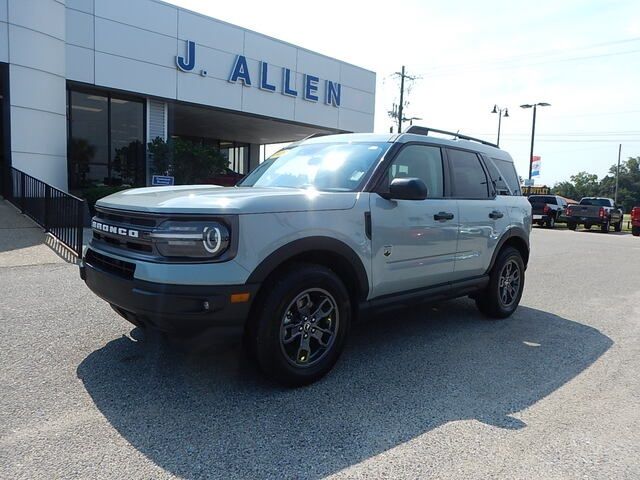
{"points": [[191, 239]]}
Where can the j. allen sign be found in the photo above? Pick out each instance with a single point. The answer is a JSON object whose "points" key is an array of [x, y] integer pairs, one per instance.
{"points": [[240, 73]]}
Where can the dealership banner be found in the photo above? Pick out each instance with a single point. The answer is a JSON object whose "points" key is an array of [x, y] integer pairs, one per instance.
{"points": [[536, 161]]}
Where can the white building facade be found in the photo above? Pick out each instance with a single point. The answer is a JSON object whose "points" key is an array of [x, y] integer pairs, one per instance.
{"points": [[85, 83]]}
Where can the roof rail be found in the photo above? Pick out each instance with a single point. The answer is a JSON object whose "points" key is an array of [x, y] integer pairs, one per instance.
{"points": [[427, 130]]}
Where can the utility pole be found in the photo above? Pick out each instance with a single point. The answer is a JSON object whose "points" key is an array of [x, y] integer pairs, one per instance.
{"points": [[615, 195], [398, 113], [401, 100]]}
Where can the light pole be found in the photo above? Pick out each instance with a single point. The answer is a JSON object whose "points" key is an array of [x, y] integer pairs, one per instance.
{"points": [[502, 112], [533, 127]]}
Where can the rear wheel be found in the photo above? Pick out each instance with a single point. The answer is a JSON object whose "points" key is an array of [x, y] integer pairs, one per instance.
{"points": [[301, 325], [506, 282], [618, 226], [551, 223], [635, 231], [573, 226], [604, 228]]}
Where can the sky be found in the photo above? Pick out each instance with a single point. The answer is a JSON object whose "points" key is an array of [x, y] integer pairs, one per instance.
{"points": [[582, 57]]}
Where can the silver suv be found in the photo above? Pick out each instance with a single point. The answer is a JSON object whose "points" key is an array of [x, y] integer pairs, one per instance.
{"points": [[321, 231]]}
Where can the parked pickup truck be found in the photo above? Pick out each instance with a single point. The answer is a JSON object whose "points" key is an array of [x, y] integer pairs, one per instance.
{"points": [[635, 221], [547, 209], [595, 211]]}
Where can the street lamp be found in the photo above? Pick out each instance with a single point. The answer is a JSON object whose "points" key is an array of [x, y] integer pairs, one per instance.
{"points": [[502, 112], [533, 127]]}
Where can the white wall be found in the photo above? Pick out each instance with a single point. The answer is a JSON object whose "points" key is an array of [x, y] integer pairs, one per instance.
{"points": [[35, 50], [132, 44]]}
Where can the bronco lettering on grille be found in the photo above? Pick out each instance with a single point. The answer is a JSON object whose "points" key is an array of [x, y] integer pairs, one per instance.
{"points": [[124, 232]]}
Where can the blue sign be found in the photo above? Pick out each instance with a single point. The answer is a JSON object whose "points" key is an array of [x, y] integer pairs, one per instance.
{"points": [[162, 180], [331, 95]]}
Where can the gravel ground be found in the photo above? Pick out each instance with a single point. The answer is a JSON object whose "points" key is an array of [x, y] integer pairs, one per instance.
{"points": [[553, 392]]}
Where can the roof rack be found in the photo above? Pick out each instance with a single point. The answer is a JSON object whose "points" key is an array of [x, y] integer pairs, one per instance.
{"points": [[427, 130]]}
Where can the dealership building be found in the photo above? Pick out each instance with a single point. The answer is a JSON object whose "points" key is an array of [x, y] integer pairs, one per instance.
{"points": [[85, 82]]}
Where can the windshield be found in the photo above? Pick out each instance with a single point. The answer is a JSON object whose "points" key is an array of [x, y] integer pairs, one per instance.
{"points": [[320, 166], [597, 202]]}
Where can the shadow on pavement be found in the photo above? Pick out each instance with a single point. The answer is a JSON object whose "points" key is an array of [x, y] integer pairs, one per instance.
{"points": [[403, 374]]}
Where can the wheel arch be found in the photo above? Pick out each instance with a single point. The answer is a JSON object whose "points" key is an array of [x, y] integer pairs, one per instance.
{"points": [[329, 252], [515, 237]]}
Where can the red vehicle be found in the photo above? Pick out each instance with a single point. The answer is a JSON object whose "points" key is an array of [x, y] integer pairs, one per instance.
{"points": [[227, 179], [635, 221]]}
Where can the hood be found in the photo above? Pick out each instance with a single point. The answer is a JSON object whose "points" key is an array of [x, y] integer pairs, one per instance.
{"points": [[219, 200]]}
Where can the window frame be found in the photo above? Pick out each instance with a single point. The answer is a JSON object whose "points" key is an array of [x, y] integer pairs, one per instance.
{"points": [[491, 190], [388, 163]]}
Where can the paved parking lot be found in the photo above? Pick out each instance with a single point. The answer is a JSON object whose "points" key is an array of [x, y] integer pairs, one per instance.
{"points": [[553, 392]]}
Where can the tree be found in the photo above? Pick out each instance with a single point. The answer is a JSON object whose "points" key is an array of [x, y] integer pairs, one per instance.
{"points": [[584, 184], [187, 161]]}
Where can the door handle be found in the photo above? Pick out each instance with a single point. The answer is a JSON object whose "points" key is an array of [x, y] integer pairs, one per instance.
{"points": [[496, 214], [443, 216]]}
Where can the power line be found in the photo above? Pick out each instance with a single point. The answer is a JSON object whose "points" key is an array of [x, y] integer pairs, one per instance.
{"points": [[538, 54], [453, 68]]}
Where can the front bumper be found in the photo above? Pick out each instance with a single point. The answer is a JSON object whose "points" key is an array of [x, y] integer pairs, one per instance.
{"points": [[171, 308]]}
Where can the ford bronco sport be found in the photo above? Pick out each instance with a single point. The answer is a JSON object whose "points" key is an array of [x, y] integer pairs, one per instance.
{"points": [[321, 231]]}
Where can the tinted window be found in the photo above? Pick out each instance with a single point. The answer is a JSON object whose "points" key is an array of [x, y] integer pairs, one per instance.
{"points": [[598, 202], [423, 162], [508, 175], [469, 179], [542, 199]]}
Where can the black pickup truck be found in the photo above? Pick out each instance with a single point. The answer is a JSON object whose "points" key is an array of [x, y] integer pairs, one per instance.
{"points": [[595, 211], [547, 209]]}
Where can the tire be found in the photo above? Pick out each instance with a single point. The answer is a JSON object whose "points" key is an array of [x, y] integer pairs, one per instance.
{"points": [[572, 226], [587, 226], [618, 226], [604, 228], [635, 231], [490, 302], [285, 353], [551, 223]]}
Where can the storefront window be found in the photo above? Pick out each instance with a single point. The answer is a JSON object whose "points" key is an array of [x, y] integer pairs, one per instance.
{"points": [[106, 140]]}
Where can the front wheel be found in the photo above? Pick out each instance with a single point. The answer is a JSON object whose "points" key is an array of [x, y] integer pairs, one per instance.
{"points": [[635, 231], [301, 325], [506, 283]]}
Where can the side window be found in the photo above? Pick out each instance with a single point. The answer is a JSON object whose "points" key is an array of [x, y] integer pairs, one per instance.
{"points": [[468, 177], [423, 162], [508, 174]]}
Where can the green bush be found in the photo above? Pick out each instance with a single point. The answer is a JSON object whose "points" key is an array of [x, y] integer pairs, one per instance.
{"points": [[187, 161], [93, 194]]}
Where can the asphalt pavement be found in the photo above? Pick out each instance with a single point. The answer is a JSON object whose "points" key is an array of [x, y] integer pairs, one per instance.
{"points": [[439, 392]]}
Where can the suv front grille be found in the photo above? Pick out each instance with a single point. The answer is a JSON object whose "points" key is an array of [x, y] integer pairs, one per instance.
{"points": [[110, 265], [125, 222]]}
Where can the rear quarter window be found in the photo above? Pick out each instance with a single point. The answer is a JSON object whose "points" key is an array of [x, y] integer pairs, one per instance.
{"points": [[504, 174]]}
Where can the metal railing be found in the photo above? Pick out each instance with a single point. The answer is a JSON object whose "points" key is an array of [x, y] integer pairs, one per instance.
{"points": [[58, 212]]}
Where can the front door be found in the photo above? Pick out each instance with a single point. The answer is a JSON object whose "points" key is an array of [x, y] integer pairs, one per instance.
{"points": [[413, 241], [483, 218]]}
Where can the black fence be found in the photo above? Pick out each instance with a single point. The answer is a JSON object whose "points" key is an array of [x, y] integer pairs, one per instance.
{"points": [[58, 212]]}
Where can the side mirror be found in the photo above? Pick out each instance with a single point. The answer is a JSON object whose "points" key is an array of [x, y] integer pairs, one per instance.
{"points": [[407, 188]]}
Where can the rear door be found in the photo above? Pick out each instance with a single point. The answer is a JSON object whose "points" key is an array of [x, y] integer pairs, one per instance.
{"points": [[483, 217], [413, 241]]}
